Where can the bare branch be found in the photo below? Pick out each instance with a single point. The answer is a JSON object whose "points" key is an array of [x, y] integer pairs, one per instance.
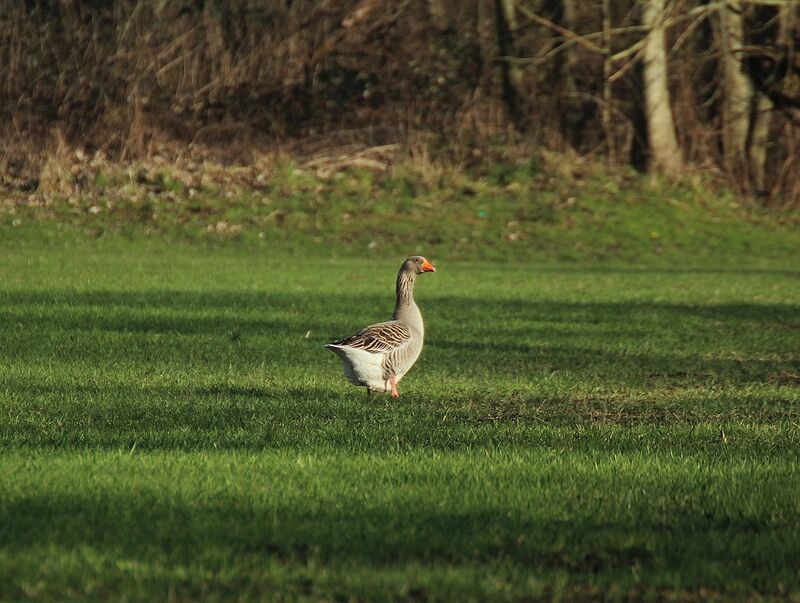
{"points": [[579, 39], [632, 49], [572, 38]]}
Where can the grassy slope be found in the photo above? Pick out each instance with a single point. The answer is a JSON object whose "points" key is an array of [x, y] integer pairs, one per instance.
{"points": [[171, 428], [561, 210]]}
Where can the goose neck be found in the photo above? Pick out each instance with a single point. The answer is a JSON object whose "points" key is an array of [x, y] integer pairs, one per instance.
{"points": [[405, 292]]}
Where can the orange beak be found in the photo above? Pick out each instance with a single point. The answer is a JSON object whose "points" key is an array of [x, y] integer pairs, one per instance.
{"points": [[428, 267]]}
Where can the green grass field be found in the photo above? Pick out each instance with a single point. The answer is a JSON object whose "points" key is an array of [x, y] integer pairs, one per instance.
{"points": [[172, 429]]}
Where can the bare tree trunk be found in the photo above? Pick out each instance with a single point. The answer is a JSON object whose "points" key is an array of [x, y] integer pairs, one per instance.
{"points": [[759, 139], [607, 71], [572, 113], [737, 89], [438, 13], [509, 17], [492, 104], [506, 24], [665, 155], [486, 33], [762, 116], [571, 23]]}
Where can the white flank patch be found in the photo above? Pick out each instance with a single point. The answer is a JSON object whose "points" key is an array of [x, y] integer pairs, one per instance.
{"points": [[361, 367]]}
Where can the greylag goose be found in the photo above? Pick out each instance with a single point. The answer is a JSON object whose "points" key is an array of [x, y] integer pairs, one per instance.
{"points": [[379, 355]]}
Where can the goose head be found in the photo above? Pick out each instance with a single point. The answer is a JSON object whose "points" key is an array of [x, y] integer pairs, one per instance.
{"points": [[417, 264]]}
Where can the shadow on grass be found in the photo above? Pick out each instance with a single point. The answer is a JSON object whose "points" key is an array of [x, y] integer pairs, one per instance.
{"points": [[646, 270], [285, 417], [191, 313], [139, 523], [192, 339], [456, 322], [81, 310]]}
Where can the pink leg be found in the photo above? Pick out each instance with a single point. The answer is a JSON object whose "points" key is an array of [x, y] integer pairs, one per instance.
{"points": [[393, 383]]}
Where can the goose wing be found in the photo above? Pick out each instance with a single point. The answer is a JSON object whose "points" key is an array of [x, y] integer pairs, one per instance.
{"points": [[381, 338]]}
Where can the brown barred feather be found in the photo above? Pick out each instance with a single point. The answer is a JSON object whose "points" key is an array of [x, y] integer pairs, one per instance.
{"points": [[379, 338]]}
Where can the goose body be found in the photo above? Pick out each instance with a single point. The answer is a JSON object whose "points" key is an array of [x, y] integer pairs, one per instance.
{"points": [[378, 356]]}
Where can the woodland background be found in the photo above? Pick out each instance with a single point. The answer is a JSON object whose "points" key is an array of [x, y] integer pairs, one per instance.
{"points": [[195, 196], [662, 85]]}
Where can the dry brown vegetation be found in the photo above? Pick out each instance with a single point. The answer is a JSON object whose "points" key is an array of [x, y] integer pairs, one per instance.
{"points": [[360, 82]]}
